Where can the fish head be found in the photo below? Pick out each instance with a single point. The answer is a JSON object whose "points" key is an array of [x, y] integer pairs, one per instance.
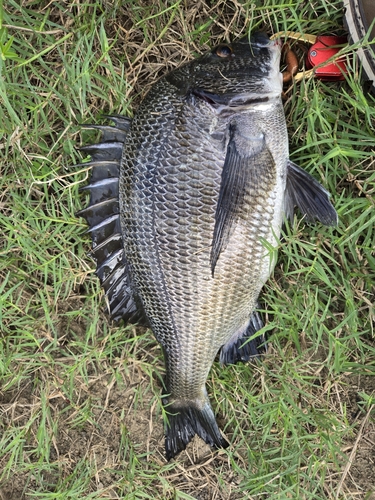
{"points": [[234, 75]]}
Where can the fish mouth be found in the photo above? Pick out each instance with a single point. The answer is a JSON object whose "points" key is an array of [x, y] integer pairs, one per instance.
{"points": [[261, 39], [273, 44], [276, 43]]}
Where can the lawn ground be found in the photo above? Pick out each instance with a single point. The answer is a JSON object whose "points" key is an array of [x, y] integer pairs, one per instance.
{"points": [[80, 414]]}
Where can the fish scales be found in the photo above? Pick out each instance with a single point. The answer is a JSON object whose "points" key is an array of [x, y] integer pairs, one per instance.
{"points": [[206, 312], [204, 184], [198, 324]]}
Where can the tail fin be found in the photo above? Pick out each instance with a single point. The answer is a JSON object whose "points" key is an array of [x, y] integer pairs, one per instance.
{"points": [[186, 421]]}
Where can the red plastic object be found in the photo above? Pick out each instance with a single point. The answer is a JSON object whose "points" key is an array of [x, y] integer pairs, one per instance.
{"points": [[325, 47]]}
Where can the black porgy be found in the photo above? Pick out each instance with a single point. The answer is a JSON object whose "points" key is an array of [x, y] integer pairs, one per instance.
{"points": [[187, 200]]}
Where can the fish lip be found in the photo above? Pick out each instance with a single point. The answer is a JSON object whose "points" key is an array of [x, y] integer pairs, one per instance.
{"points": [[277, 43], [262, 40]]}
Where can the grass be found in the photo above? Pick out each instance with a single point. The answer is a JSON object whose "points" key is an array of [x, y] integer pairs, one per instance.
{"points": [[79, 401]]}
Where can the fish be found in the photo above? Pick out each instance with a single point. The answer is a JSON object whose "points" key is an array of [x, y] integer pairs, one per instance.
{"points": [[187, 204]]}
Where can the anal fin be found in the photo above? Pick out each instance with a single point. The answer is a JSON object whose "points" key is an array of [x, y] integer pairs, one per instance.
{"points": [[241, 347]]}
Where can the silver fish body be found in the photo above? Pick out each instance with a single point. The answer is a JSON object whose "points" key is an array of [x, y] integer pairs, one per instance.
{"points": [[193, 214]]}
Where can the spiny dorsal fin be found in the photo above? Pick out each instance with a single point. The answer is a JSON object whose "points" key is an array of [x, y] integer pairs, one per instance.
{"points": [[102, 216]]}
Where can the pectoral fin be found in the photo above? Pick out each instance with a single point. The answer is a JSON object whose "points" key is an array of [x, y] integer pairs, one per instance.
{"points": [[244, 161], [303, 191]]}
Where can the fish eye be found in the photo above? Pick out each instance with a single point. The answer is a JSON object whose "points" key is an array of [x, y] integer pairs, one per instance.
{"points": [[224, 51]]}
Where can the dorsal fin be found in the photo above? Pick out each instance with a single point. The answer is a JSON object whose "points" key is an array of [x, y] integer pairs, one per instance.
{"points": [[103, 218]]}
